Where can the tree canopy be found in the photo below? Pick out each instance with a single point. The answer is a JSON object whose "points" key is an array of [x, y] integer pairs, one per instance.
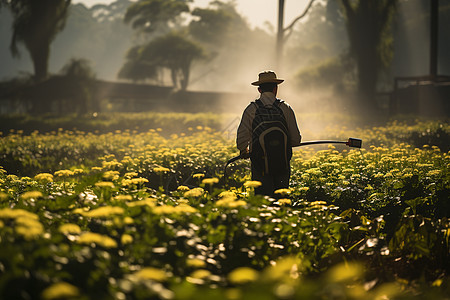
{"points": [[36, 24], [152, 15], [172, 51], [168, 48], [218, 24]]}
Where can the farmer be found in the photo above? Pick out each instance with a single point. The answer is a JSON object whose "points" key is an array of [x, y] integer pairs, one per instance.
{"points": [[267, 133]]}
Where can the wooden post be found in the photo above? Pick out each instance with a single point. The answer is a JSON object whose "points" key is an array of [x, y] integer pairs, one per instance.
{"points": [[434, 25], [280, 35]]}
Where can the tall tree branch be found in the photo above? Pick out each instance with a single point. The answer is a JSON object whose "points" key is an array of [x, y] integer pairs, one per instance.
{"points": [[290, 26]]}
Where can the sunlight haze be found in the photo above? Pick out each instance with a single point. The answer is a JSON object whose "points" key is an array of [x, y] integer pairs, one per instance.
{"points": [[257, 12]]}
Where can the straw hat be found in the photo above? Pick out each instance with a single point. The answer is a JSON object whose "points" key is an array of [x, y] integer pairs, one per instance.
{"points": [[267, 76]]}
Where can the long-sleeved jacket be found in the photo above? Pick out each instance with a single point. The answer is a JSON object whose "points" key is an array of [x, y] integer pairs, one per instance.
{"points": [[244, 132]]}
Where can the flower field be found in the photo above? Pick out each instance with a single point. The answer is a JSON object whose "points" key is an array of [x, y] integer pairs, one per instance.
{"points": [[150, 215]]}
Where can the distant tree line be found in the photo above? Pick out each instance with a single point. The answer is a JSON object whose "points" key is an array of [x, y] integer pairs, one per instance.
{"points": [[349, 43]]}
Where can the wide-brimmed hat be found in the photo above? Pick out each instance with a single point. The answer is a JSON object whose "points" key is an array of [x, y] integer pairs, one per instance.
{"points": [[266, 77]]}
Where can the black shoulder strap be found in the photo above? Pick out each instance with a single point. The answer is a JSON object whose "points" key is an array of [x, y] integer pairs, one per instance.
{"points": [[278, 102], [259, 103]]}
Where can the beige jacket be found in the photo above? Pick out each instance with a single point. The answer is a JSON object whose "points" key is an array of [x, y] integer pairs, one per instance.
{"points": [[244, 132]]}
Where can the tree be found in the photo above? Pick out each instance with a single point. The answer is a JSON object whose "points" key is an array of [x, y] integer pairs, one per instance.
{"points": [[152, 15], [36, 24], [368, 27], [137, 68], [79, 76], [168, 51], [171, 51], [218, 24]]}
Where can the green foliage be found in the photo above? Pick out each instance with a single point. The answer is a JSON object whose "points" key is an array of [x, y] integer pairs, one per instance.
{"points": [[110, 122], [174, 52], [218, 25], [79, 74], [136, 68], [139, 215], [334, 73], [152, 15], [169, 50]]}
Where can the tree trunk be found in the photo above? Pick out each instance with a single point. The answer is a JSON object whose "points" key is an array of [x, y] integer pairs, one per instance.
{"points": [[39, 53], [185, 72]]}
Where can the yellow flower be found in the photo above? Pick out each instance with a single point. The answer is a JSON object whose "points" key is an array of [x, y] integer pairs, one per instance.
{"points": [[433, 173], [164, 209], [69, 228], [9, 213], [111, 164], [105, 184], [60, 290], [184, 208], [182, 188], [230, 202], [345, 272], [123, 198], [168, 209], [44, 177], [200, 274], [210, 181], [161, 169], [227, 194], [128, 220], [198, 175], [284, 201], [3, 196], [195, 192], [29, 228], [284, 269], [101, 240], [31, 195], [138, 181], [111, 175], [314, 171], [104, 211], [148, 201], [150, 273], [283, 191], [126, 239], [126, 182], [64, 173], [78, 171], [243, 275], [129, 175], [252, 184], [195, 263]]}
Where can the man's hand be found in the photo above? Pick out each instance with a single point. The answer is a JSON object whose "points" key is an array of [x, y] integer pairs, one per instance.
{"points": [[244, 153]]}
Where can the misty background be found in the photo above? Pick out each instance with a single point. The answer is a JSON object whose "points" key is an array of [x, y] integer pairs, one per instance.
{"points": [[316, 63]]}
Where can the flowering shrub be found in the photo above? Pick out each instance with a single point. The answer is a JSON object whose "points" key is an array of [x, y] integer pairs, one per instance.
{"points": [[138, 215]]}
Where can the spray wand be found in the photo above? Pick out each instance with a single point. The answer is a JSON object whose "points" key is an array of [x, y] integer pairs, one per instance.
{"points": [[351, 142]]}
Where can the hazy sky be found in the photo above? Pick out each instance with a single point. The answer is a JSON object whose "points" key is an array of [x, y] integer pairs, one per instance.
{"points": [[256, 11]]}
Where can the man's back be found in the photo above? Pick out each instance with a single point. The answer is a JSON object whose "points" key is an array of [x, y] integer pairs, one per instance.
{"points": [[270, 148]]}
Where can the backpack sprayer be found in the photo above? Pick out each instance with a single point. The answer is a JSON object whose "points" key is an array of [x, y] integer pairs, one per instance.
{"points": [[351, 142]]}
